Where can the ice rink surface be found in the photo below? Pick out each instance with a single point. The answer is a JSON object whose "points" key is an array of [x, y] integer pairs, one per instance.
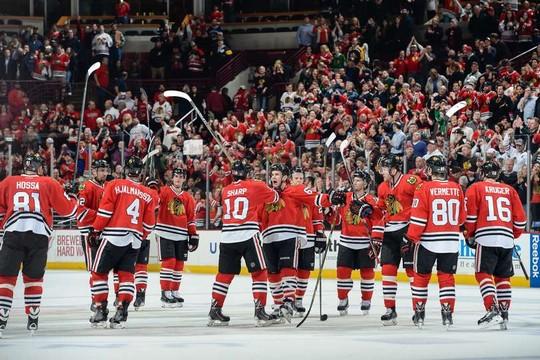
{"points": [[156, 333]]}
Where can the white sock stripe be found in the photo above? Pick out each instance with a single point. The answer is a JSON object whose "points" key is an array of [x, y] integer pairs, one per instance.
{"points": [[487, 281], [101, 292], [166, 270], [507, 283], [7, 286], [32, 284], [99, 282], [100, 286], [389, 278], [32, 296], [220, 287]]}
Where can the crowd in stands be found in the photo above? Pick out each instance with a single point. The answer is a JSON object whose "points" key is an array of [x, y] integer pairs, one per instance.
{"points": [[389, 99]]}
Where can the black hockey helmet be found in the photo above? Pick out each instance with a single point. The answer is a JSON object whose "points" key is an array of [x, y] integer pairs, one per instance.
{"points": [[32, 162], [98, 164], [437, 165], [364, 175], [239, 171], [284, 169], [134, 166], [392, 161], [179, 171], [298, 170], [491, 169], [151, 182]]}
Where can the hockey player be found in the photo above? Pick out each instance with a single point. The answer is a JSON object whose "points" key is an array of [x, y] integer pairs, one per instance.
{"points": [[282, 232], [27, 202], [240, 238], [361, 221], [495, 217], [126, 215], [438, 211], [176, 234], [395, 194], [316, 242], [90, 193], [141, 264]]}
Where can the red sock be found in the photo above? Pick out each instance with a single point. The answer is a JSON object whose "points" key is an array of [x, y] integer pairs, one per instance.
{"points": [[344, 282], [258, 286], [447, 289], [367, 284], [288, 283], [166, 274], [302, 280], [126, 289], [33, 288], [274, 281], [177, 275], [221, 287], [487, 289], [141, 277], [7, 285], [504, 291], [419, 288], [100, 287], [116, 281], [389, 283]]}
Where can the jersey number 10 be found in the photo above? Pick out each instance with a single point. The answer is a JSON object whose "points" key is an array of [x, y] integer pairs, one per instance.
{"points": [[239, 209]]}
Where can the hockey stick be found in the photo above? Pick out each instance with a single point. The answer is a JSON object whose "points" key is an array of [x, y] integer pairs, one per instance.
{"points": [[454, 109], [322, 317], [344, 144], [521, 263], [319, 277]]}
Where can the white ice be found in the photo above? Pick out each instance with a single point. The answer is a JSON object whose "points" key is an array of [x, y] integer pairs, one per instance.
{"points": [[155, 333]]}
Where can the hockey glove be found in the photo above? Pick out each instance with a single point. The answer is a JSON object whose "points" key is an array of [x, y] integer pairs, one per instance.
{"points": [[337, 197], [361, 208], [375, 250], [320, 242], [193, 242], [406, 246], [471, 242], [94, 238]]}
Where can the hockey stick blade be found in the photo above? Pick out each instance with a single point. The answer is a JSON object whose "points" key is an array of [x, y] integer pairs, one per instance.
{"points": [[93, 68], [330, 140], [149, 155], [454, 109], [344, 145]]}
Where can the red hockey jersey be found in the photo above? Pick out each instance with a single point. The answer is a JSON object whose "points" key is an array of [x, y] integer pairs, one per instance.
{"points": [[281, 221], [90, 194], [314, 223], [355, 233], [176, 217], [28, 202], [126, 213], [438, 211], [495, 215], [240, 201], [397, 200]]}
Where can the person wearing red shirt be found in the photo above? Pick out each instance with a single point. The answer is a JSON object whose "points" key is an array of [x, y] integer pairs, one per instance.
{"points": [[122, 12], [284, 147], [241, 100], [91, 114], [101, 76], [400, 65], [235, 129]]}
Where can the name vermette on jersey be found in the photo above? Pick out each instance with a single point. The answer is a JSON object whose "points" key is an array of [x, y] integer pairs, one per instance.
{"points": [[27, 185], [444, 192], [133, 191]]}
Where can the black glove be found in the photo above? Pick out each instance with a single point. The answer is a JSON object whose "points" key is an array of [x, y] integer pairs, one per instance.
{"points": [[471, 242], [337, 197], [320, 242], [71, 189], [94, 238], [375, 249], [361, 208], [193, 242], [406, 246]]}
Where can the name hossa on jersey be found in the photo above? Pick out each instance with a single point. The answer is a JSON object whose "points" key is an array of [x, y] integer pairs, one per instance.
{"points": [[126, 213], [355, 231], [286, 219], [396, 200], [240, 203], [28, 202], [176, 215], [438, 211], [90, 194], [495, 215]]}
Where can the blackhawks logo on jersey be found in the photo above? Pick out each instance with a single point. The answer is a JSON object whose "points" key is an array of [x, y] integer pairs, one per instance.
{"points": [[412, 180], [393, 206], [352, 219], [176, 207], [305, 212], [81, 187], [275, 207]]}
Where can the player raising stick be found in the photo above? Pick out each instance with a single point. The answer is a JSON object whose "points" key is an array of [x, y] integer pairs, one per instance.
{"points": [[495, 217], [438, 211], [28, 201]]}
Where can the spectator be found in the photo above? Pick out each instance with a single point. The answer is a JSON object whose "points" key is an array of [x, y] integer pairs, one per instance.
{"points": [[216, 103], [398, 139], [508, 175], [420, 148], [118, 43], [8, 66], [101, 44], [122, 11], [101, 77], [161, 111], [111, 110], [157, 59], [91, 115], [304, 34]]}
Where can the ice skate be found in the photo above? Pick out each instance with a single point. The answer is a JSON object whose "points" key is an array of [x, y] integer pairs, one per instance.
{"points": [[33, 318], [390, 317], [118, 321], [99, 318], [4, 315], [419, 315], [93, 307], [261, 317], [343, 307], [167, 300], [446, 314], [492, 317], [366, 305], [503, 310], [276, 314], [216, 317], [286, 310], [179, 300], [139, 300], [299, 308]]}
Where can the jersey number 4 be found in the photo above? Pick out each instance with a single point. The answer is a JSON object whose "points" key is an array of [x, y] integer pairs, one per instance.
{"points": [[133, 211], [239, 209]]}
